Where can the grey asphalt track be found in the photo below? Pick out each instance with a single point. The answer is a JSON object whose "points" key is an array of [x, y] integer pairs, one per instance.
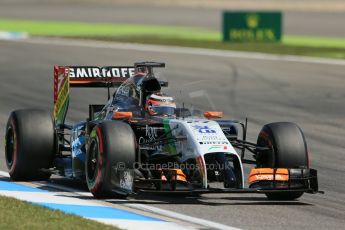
{"points": [[295, 23], [312, 95]]}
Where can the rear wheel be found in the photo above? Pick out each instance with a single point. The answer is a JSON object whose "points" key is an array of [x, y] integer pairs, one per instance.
{"points": [[29, 144], [289, 150], [111, 144]]}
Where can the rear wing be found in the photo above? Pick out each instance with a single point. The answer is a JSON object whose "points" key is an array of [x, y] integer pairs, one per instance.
{"points": [[84, 76]]}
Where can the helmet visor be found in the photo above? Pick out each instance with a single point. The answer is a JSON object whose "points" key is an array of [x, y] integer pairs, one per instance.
{"points": [[163, 110]]}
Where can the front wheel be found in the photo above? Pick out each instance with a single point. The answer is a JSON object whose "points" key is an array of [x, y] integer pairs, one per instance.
{"points": [[288, 150], [111, 145]]}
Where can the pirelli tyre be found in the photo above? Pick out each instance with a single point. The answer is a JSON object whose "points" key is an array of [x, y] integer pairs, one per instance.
{"points": [[111, 146], [29, 144], [289, 150]]}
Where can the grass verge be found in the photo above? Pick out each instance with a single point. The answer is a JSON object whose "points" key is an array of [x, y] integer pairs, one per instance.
{"points": [[272, 48], [15, 214], [175, 35]]}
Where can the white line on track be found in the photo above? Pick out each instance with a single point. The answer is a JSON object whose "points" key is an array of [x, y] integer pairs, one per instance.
{"points": [[180, 50], [4, 174], [139, 225], [12, 35], [175, 215], [146, 208], [162, 212]]}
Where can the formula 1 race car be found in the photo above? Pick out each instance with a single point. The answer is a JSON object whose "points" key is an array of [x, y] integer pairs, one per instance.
{"points": [[140, 141]]}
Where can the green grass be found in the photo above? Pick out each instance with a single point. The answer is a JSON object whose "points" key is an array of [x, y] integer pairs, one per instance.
{"points": [[15, 214], [175, 35], [39, 28], [314, 41], [273, 48]]}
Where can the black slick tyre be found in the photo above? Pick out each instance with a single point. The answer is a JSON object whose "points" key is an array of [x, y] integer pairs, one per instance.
{"points": [[110, 143], [289, 150], [29, 144]]}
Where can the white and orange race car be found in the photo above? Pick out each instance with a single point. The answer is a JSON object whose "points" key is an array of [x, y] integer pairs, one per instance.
{"points": [[139, 141]]}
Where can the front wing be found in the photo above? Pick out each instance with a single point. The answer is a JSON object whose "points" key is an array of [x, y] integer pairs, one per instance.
{"points": [[299, 180]]}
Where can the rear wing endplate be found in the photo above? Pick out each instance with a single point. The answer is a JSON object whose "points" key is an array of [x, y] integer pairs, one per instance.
{"points": [[84, 76]]}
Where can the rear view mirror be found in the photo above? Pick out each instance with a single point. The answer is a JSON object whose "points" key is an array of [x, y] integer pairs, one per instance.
{"points": [[213, 114], [122, 115]]}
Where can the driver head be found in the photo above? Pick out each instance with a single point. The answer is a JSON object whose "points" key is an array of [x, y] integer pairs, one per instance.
{"points": [[158, 104]]}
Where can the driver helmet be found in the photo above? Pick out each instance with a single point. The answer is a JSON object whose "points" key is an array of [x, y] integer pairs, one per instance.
{"points": [[158, 104]]}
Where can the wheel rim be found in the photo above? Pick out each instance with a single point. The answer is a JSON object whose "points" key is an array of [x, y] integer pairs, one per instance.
{"points": [[92, 161], [10, 146], [266, 158]]}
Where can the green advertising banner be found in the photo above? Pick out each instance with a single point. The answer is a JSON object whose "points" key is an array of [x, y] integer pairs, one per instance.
{"points": [[252, 26]]}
